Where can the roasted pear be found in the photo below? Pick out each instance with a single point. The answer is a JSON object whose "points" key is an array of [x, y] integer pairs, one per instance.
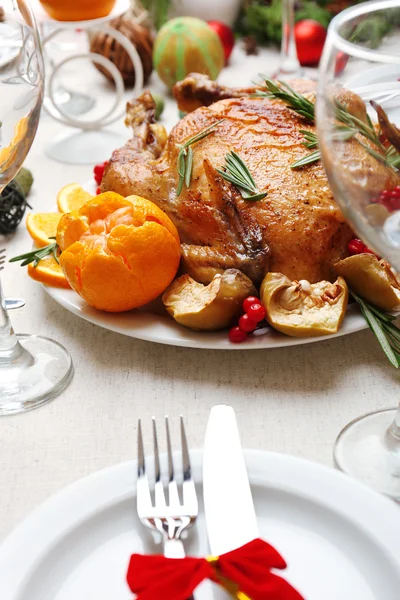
{"points": [[208, 307], [301, 308], [372, 279]]}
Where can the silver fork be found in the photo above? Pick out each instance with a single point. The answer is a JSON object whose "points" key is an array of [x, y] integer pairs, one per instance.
{"points": [[170, 518]]}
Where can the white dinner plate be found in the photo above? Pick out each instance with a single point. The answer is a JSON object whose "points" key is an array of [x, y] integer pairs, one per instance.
{"points": [[341, 540], [153, 324], [158, 327]]}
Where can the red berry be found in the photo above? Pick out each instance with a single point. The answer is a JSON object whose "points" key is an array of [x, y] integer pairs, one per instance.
{"points": [[246, 324], [247, 302], [356, 246], [257, 312], [98, 173], [98, 190], [341, 61], [236, 335]]}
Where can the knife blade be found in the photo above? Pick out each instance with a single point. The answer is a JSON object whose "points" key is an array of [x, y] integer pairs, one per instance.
{"points": [[228, 502]]}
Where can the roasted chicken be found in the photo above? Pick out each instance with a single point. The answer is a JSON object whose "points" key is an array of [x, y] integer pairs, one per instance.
{"points": [[297, 229]]}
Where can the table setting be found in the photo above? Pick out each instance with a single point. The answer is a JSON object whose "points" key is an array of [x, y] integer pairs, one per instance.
{"points": [[199, 215]]}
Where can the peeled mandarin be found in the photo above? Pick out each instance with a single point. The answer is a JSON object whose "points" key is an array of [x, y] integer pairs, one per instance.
{"points": [[118, 253]]}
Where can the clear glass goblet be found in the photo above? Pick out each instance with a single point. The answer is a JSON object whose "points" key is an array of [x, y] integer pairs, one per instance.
{"points": [[33, 369], [360, 69], [289, 66]]}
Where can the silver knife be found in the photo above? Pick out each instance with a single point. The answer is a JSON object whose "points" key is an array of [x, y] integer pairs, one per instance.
{"points": [[228, 503]]}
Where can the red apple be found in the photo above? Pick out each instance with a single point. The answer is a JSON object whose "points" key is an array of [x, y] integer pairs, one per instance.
{"points": [[310, 39], [226, 36]]}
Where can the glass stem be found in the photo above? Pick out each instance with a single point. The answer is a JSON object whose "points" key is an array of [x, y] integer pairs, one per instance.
{"points": [[289, 62], [395, 426], [10, 349]]}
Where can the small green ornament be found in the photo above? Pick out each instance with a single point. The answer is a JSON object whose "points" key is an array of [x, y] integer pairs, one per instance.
{"points": [[160, 104], [187, 45], [24, 178]]}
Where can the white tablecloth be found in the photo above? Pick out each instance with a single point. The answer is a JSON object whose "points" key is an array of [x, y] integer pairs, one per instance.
{"points": [[291, 400]]}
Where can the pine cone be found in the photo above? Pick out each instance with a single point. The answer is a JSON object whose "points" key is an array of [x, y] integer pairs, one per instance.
{"points": [[104, 44]]}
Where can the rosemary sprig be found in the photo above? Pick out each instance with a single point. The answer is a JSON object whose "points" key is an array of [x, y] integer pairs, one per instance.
{"points": [[310, 137], [393, 157], [381, 323], [307, 160], [35, 256], [185, 156], [295, 101], [351, 126], [237, 173], [365, 129]]}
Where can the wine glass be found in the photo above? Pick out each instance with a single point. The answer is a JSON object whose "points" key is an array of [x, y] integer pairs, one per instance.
{"points": [[289, 66], [33, 369], [362, 161]]}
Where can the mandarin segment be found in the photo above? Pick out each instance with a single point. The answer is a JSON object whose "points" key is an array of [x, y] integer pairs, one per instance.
{"points": [[70, 229]]}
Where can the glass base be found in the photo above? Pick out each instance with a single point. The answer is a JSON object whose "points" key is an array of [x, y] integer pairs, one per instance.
{"points": [[84, 147], [39, 371], [369, 450], [287, 74], [74, 103]]}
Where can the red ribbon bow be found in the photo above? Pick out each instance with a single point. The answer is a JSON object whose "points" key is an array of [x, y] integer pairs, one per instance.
{"points": [[248, 568]]}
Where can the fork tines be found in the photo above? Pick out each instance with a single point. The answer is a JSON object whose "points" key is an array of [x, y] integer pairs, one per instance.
{"points": [[144, 501]]}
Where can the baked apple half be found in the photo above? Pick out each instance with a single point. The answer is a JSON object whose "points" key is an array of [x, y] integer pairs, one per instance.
{"points": [[371, 279], [301, 308], [208, 307]]}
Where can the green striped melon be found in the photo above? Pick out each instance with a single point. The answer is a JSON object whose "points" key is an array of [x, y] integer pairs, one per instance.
{"points": [[187, 45]]}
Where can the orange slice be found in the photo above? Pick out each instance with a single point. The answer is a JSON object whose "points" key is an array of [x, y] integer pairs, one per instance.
{"points": [[49, 272], [42, 227], [72, 197]]}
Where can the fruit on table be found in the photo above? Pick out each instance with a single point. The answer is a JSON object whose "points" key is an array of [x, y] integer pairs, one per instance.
{"points": [[98, 171], [226, 36], [49, 272], [310, 39], [371, 279], [187, 45], [118, 253], [302, 309], [208, 307], [72, 197], [160, 104], [42, 227], [77, 10], [24, 179]]}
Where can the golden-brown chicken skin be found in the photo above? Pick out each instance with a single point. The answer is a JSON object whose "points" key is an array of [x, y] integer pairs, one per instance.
{"points": [[297, 229]]}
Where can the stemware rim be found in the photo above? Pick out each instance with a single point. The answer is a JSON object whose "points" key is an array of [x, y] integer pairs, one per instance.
{"points": [[352, 48]]}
